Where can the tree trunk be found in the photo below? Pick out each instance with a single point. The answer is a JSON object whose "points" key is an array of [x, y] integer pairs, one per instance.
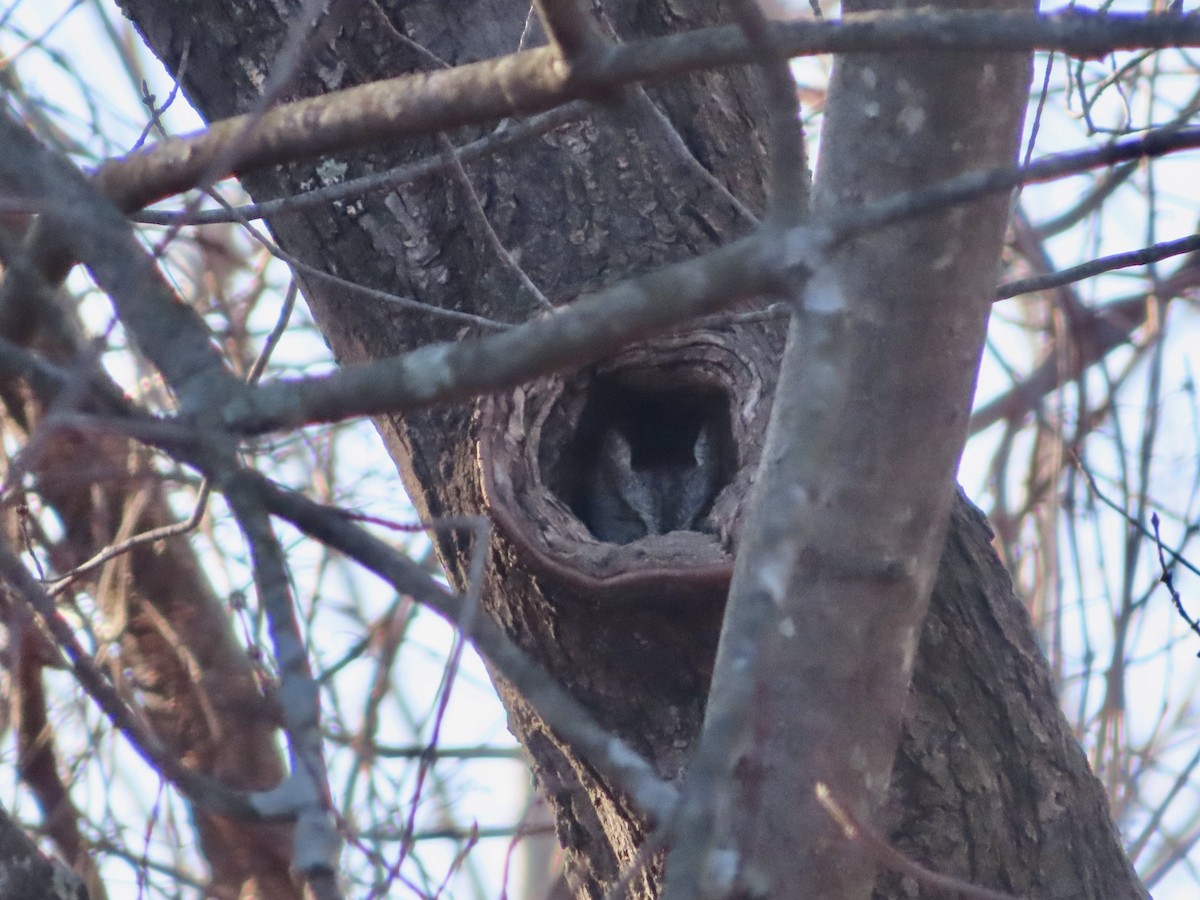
{"points": [[989, 783]]}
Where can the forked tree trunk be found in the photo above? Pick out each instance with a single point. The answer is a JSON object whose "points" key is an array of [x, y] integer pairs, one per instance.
{"points": [[989, 784]]}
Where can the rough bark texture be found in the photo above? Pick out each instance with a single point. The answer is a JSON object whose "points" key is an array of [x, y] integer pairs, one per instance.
{"points": [[989, 785]]}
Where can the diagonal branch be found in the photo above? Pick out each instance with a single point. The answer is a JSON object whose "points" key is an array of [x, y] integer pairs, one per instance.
{"points": [[596, 325], [610, 756]]}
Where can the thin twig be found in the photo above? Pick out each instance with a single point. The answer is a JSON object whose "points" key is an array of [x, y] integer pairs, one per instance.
{"points": [[1168, 579], [1176, 557], [1144, 256], [510, 135], [480, 215], [605, 752], [198, 788], [60, 584], [892, 859]]}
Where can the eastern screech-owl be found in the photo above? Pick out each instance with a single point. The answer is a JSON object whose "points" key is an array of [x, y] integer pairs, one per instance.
{"points": [[627, 503]]}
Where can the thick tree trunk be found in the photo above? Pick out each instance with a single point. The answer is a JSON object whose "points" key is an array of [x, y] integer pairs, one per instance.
{"points": [[989, 784]]}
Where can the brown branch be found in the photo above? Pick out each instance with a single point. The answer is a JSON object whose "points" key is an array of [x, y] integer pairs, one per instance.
{"points": [[311, 23], [423, 103], [535, 80], [1103, 329]]}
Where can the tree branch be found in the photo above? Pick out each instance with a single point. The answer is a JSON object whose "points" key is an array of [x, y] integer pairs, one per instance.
{"points": [[532, 81]]}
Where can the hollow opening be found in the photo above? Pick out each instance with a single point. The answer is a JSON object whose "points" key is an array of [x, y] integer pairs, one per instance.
{"points": [[646, 460]]}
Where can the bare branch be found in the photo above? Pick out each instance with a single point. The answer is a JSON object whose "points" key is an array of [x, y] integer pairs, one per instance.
{"points": [[596, 325], [168, 331], [508, 136], [531, 81], [607, 753], [305, 793], [1094, 267], [198, 788], [584, 331]]}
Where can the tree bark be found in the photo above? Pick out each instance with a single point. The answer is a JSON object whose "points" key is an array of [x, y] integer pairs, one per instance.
{"points": [[989, 783]]}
